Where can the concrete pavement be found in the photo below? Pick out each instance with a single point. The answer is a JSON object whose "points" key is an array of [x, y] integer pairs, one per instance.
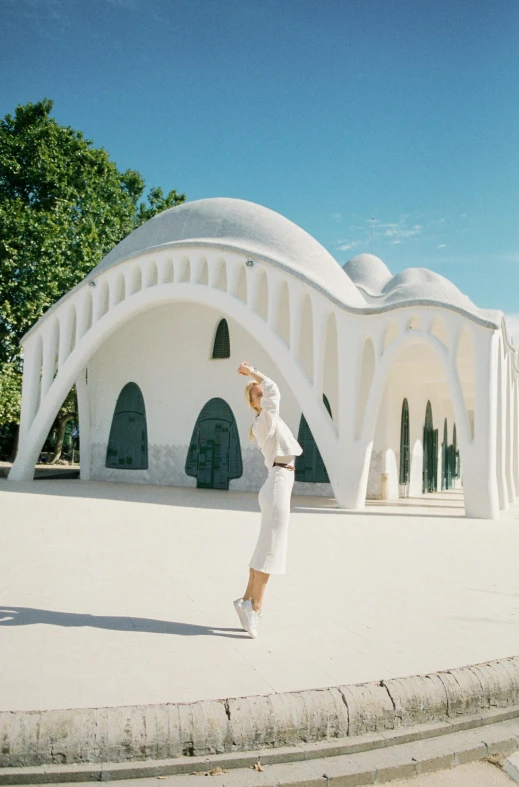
{"points": [[121, 595], [115, 595]]}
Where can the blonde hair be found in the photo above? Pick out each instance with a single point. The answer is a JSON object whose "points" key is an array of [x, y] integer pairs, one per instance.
{"points": [[248, 388]]}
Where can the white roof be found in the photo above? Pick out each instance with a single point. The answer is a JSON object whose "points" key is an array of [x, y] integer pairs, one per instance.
{"points": [[382, 290], [239, 226]]}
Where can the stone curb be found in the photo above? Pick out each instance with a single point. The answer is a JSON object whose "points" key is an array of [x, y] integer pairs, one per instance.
{"points": [[339, 719]]}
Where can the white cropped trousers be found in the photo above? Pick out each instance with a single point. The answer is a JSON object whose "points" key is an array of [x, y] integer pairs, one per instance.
{"points": [[270, 554]]}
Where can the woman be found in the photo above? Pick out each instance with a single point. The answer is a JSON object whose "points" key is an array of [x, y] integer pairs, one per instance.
{"points": [[279, 448]]}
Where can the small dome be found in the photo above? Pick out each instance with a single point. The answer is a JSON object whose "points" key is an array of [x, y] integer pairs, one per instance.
{"points": [[369, 272], [421, 284], [239, 226]]}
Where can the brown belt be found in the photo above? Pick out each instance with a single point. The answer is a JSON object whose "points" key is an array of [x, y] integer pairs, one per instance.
{"points": [[287, 467]]}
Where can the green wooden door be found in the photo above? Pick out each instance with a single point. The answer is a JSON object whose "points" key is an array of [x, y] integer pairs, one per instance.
{"points": [[446, 458], [128, 442], [310, 466], [405, 459], [430, 452], [214, 455]]}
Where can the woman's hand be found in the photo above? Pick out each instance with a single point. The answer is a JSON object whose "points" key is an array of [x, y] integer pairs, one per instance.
{"points": [[244, 369]]}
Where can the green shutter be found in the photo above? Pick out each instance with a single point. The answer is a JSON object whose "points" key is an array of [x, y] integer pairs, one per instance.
{"points": [[310, 466], [222, 342], [214, 454], [404, 444], [128, 442]]}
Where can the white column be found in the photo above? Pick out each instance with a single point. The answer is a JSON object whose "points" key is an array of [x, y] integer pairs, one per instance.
{"points": [[295, 299], [274, 293], [501, 432], [509, 426], [32, 360], [320, 317], [253, 279], [66, 324], [479, 456], [234, 269], [349, 473], [84, 313], [85, 430], [50, 350]]}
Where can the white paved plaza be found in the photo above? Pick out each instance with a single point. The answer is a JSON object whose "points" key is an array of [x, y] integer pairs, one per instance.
{"points": [[116, 594]]}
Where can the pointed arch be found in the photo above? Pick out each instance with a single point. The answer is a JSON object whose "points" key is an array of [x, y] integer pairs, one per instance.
{"points": [[128, 442], [331, 363], [283, 317], [306, 340], [181, 269], [166, 270], [222, 341], [241, 286], [214, 455], [151, 274], [309, 465], [405, 457], [367, 371], [221, 275], [262, 301], [202, 276]]}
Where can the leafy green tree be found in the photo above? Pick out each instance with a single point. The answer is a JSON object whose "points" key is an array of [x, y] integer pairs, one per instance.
{"points": [[63, 206]]}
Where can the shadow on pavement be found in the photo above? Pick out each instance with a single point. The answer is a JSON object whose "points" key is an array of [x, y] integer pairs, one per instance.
{"points": [[28, 616], [228, 500]]}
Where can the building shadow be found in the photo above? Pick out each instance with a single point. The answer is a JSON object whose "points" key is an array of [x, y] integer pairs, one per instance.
{"points": [[30, 616], [229, 500]]}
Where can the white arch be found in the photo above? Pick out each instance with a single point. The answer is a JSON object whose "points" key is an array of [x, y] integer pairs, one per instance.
{"points": [[228, 306], [382, 371]]}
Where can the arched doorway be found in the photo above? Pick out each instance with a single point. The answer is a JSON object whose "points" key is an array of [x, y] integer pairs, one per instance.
{"points": [[310, 466], [430, 453], [214, 455], [128, 442]]}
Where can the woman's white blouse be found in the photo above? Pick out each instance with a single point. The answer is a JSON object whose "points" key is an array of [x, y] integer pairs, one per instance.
{"points": [[271, 432]]}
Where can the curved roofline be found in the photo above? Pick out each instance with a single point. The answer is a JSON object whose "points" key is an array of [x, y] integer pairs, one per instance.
{"points": [[369, 309]]}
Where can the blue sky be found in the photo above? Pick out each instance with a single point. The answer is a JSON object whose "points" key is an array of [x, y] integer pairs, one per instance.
{"points": [[332, 112]]}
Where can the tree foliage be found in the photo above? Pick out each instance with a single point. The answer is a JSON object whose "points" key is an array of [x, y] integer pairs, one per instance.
{"points": [[63, 206]]}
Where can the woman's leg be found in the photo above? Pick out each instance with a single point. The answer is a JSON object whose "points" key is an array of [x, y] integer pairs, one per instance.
{"points": [[250, 585], [258, 591]]}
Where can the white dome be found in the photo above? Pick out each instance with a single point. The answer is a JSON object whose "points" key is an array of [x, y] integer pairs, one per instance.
{"points": [[239, 226], [368, 272], [422, 284]]}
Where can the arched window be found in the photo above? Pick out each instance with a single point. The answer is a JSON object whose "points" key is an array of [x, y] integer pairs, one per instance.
{"points": [[222, 342], [310, 466], [404, 444], [430, 453], [214, 455], [128, 442]]}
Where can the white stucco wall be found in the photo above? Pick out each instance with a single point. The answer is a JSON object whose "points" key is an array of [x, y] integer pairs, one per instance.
{"points": [[167, 352]]}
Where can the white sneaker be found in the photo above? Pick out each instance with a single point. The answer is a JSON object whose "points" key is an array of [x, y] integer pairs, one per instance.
{"points": [[252, 619], [238, 606]]}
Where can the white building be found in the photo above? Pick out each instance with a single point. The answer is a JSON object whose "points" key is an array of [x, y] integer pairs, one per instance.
{"points": [[422, 386]]}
